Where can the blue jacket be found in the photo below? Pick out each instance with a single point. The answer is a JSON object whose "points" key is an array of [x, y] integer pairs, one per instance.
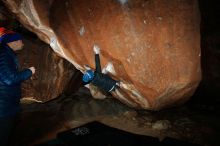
{"points": [[10, 81]]}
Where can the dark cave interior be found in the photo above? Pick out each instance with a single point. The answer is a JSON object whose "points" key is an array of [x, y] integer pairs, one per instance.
{"points": [[203, 107], [208, 91]]}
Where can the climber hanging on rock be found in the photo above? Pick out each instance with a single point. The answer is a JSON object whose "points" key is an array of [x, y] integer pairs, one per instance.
{"points": [[97, 78]]}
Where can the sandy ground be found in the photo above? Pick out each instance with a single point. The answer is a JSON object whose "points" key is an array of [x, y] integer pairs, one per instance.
{"points": [[41, 122]]}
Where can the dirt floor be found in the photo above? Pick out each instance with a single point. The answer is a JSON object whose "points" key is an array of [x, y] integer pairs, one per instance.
{"points": [[195, 123]]}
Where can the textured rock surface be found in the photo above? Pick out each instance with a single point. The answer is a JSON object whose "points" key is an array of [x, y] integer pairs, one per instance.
{"points": [[197, 125], [154, 45], [6, 18], [53, 73]]}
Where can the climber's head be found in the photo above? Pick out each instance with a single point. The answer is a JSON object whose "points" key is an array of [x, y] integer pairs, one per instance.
{"points": [[88, 76]]}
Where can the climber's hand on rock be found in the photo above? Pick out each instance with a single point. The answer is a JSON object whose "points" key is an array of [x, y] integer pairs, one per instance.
{"points": [[96, 49]]}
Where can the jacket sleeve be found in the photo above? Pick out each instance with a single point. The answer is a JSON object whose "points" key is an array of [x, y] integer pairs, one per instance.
{"points": [[10, 76], [97, 63]]}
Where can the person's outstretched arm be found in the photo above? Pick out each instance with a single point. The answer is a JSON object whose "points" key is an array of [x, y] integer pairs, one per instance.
{"points": [[8, 75], [96, 49]]}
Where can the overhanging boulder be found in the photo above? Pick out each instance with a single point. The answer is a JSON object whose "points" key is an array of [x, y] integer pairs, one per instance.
{"points": [[153, 46]]}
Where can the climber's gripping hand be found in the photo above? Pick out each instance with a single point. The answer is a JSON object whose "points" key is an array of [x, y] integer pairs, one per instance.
{"points": [[96, 49]]}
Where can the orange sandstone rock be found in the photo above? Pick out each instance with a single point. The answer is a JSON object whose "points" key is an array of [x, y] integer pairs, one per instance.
{"points": [[153, 45]]}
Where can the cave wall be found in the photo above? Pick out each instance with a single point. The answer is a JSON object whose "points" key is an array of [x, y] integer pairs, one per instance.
{"points": [[210, 32], [153, 45], [208, 91], [54, 75], [187, 124]]}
